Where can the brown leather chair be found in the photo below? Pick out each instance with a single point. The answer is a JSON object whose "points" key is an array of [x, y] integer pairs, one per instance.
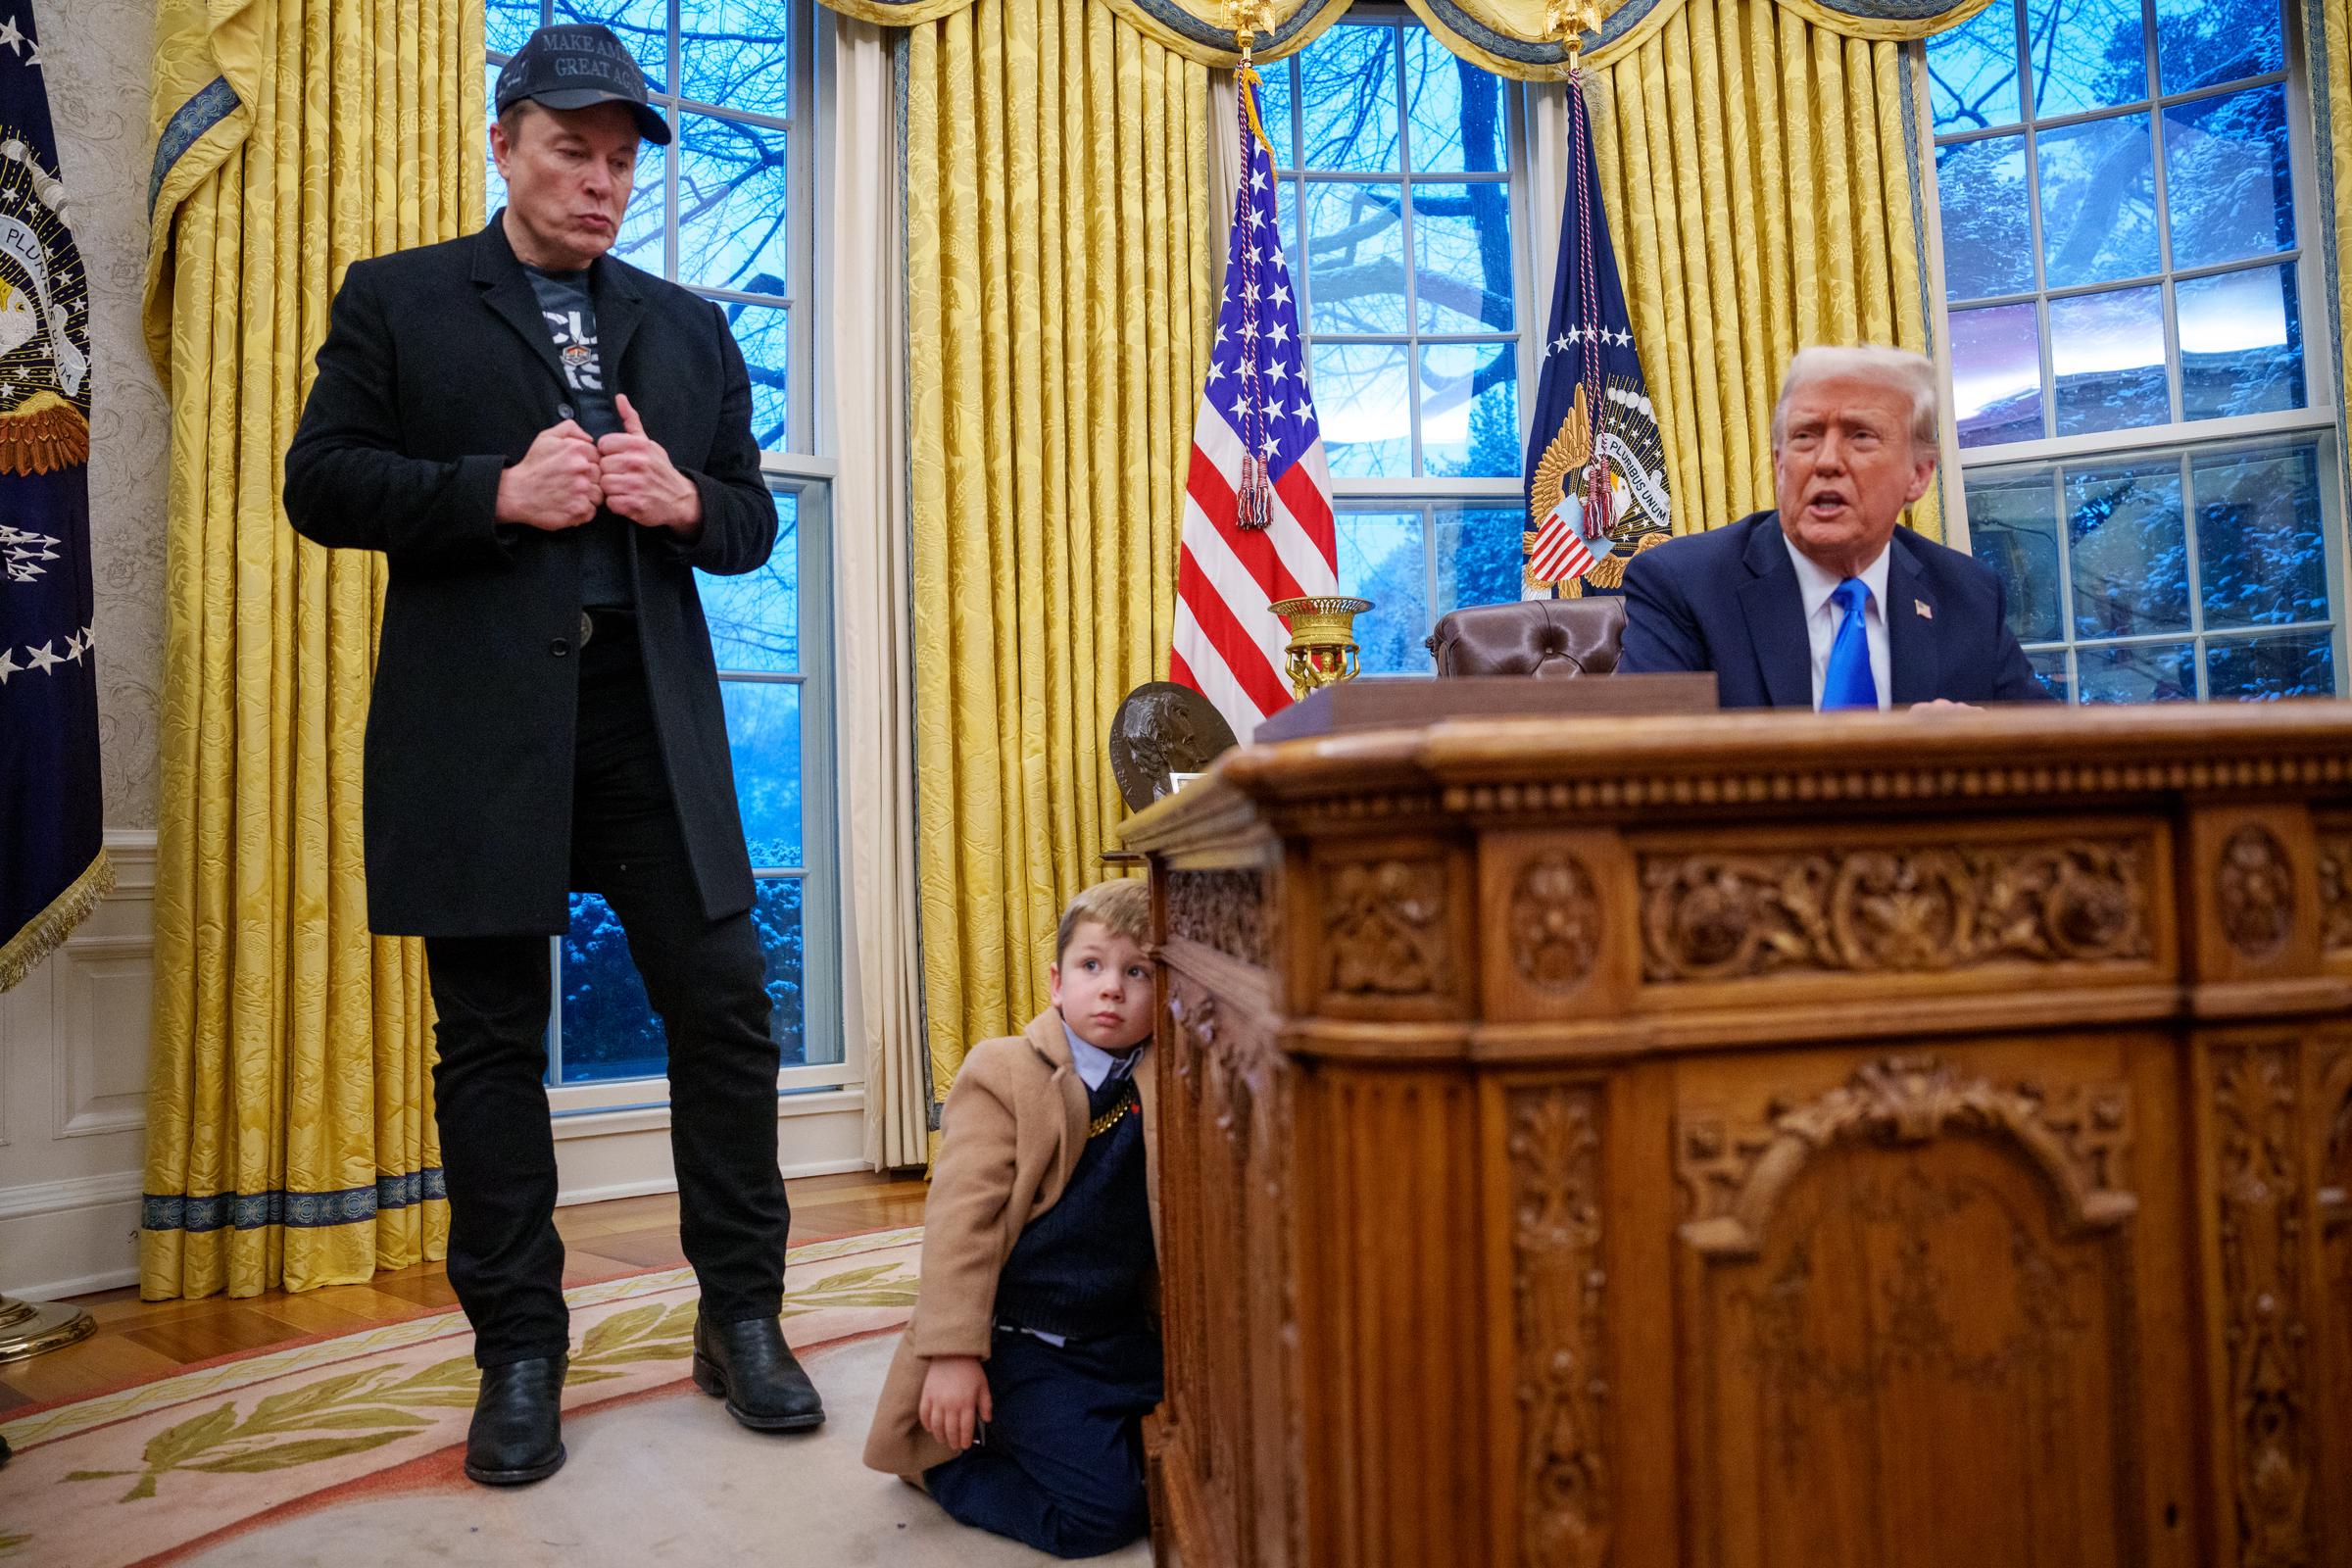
{"points": [[1534, 637]]}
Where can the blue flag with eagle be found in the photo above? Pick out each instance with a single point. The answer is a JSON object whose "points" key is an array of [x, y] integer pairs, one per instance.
{"points": [[53, 868], [1595, 469]]}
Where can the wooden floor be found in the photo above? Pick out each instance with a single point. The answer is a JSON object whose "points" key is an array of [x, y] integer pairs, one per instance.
{"points": [[141, 1340]]}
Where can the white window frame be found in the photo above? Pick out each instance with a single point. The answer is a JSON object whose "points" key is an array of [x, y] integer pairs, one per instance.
{"points": [[2187, 439], [1429, 497]]}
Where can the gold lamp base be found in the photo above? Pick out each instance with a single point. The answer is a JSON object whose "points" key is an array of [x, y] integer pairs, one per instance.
{"points": [[27, 1327], [1322, 645]]}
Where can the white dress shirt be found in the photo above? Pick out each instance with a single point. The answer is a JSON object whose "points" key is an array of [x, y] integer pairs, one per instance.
{"points": [[1096, 1064], [1815, 584]]}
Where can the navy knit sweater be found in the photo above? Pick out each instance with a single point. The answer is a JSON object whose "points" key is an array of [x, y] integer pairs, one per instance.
{"points": [[1079, 1269]]}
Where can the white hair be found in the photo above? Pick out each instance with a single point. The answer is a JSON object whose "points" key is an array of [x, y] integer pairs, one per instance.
{"points": [[1899, 369]]}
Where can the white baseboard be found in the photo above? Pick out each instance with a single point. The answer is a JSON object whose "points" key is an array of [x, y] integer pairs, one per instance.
{"points": [[84, 1243]]}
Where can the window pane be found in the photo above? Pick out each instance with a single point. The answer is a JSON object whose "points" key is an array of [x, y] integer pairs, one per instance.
{"points": [[1996, 375], [2228, 184], [776, 913], [2013, 528], [2261, 558], [2263, 668], [2107, 361], [641, 226], [2130, 550], [761, 331], [506, 23], [754, 618], [1381, 560], [1347, 88], [2088, 54], [734, 200], [737, 53], [2049, 667], [642, 26], [1463, 257], [1470, 411], [1454, 108], [2148, 672], [2098, 202], [763, 741], [1972, 73], [2200, 42], [1355, 255], [2241, 343], [610, 1030], [1481, 557], [1988, 227], [1274, 113], [1364, 406]]}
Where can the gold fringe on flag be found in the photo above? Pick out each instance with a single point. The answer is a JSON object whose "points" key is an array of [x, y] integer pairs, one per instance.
{"points": [[47, 931]]}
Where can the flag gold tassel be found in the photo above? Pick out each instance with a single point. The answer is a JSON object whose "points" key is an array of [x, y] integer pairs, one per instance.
{"points": [[47, 931]]}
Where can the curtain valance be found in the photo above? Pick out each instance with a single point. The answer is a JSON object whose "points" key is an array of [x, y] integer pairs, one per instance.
{"points": [[1509, 37]]}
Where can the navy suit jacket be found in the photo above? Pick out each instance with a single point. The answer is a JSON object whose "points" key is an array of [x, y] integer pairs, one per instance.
{"points": [[1728, 600]]}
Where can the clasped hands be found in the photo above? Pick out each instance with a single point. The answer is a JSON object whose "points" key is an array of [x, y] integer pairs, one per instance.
{"points": [[567, 474]]}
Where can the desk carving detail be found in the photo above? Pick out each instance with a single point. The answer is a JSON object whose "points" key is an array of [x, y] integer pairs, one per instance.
{"points": [[2268, 1340], [1557, 1284], [2254, 891], [1916, 1219], [1384, 926], [1221, 909], [1554, 922], [2335, 887], [1733, 1177], [1717, 917]]}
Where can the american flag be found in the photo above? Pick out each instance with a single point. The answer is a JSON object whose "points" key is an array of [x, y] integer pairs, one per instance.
{"points": [[1257, 521]]}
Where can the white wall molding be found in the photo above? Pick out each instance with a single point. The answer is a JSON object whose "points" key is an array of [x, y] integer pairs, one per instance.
{"points": [[68, 1196], [74, 1046]]}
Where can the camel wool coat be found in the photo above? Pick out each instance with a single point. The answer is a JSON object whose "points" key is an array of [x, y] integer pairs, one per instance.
{"points": [[1012, 1132]]}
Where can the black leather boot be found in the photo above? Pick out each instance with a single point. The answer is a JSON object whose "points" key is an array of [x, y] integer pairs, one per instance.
{"points": [[749, 1365], [515, 1435]]}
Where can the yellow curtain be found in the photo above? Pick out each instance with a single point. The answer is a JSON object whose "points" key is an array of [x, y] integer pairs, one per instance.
{"points": [[2332, 105], [1058, 306], [1756, 169], [290, 1131]]}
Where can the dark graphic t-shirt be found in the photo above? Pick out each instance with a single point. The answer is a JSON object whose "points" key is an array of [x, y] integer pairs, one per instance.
{"points": [[570, 311]]}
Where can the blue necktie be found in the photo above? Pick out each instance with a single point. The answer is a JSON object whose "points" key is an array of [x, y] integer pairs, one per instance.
{"points": [[1847, 683]]}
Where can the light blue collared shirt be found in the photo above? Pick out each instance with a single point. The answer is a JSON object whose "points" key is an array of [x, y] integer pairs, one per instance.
{"points": [[1096, 1065]]}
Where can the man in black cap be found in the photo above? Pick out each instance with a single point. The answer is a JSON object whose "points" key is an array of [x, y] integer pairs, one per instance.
{"points": [[546, 443]]}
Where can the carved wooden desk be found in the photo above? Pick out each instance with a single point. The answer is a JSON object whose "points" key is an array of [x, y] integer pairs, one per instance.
{"points": [[1761, 1140]]}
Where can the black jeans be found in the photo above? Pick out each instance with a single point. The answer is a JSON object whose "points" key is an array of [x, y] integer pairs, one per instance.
{"points": [[707, 980]]}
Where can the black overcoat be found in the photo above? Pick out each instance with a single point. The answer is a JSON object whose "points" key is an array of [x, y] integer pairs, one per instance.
{"points": [[437, 374]]}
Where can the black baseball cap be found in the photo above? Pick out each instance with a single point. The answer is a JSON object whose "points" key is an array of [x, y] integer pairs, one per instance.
{"points": [[571, 65]]}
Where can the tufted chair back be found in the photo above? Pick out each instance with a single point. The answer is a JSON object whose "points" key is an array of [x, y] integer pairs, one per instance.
{"points": [[1534, 637]]}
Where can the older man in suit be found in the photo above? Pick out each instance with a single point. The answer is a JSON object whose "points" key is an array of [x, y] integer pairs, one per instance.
{"points": [[1825, 602], [545, 443]]}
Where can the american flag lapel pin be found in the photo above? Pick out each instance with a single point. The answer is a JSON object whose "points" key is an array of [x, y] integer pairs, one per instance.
{"points": [[1927, 611]]}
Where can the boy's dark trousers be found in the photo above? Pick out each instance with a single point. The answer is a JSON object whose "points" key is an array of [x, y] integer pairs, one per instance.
{"points": [[707, 982], [1062, 1468]]}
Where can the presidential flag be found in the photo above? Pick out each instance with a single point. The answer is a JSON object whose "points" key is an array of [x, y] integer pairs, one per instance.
{"points": [[53, 868], [1595, 469], [1258, 523]]}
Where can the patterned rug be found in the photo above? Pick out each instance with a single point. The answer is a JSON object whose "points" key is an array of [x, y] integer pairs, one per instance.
{"points": [[159, 1471]]}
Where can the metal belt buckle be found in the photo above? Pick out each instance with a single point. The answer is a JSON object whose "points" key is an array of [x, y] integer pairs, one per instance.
{"points": [[587, 628]]}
